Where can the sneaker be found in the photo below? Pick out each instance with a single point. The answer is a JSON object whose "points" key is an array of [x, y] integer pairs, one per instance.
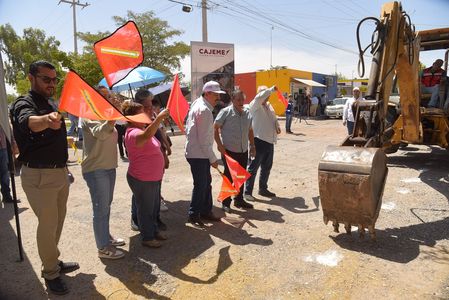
{"points": [[163, 206], [8, 199], [117, 242], [249, 197], [152, 243], [110, 252], [195, 220], [56, 286], [242, 204], [134, 226], [266, 193]]}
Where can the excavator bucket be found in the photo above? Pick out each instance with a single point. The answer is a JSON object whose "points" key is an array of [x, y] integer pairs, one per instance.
{"points": [[351, 184]]}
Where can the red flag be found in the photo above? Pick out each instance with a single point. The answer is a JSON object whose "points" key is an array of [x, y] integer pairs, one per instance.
{"points": [[119, 53], [238, 173], [177, 104], [227, 190], [281, 98], [82, 100]]}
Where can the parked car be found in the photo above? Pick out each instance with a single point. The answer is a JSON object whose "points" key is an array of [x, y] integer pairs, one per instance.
{"points": [[334, 108]]}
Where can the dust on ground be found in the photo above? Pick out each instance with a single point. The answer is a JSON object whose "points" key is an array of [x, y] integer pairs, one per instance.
{"points": [[279, 250]]}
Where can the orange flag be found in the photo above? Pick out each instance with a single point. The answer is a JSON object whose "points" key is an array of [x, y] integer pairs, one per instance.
{"points": [[119, 53], [82, 100], [238, 173], [177, 104], [281, 98], [227, 189]]}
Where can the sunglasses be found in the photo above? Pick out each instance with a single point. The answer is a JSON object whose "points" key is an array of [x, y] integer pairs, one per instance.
{"points": [[47, 79]]}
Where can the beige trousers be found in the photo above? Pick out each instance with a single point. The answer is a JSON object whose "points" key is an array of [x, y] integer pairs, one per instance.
{"points": [[47, 191]]}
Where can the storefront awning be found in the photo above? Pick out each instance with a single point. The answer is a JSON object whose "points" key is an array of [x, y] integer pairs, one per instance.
{"points": [[309, 82]]}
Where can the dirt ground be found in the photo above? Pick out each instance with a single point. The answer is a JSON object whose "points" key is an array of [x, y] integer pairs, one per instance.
{"points": [[279, 250]]}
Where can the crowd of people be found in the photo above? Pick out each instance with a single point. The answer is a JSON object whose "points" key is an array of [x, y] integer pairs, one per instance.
{"points": [[247, 134]]}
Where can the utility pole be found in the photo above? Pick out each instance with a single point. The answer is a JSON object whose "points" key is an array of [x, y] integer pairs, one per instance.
{"points": [[74, 3], [204, 15]]}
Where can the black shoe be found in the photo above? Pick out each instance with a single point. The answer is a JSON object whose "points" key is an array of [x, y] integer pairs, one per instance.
{"points": [[195, 221], [56, 286], [161, 225], [226, 208], [67, 267], [210, 217], [8, 199], [266, 193], [242, 204]]}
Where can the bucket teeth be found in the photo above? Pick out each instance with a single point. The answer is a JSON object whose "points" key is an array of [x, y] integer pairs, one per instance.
{"points": [[348, 228], [325, 220], [361, 231]]}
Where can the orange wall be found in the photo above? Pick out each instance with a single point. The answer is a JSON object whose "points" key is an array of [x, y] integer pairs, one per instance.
{"points": [[246, 83]]}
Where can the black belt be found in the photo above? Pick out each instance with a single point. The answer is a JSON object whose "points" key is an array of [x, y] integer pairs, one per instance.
{"points": [[43, 166]]}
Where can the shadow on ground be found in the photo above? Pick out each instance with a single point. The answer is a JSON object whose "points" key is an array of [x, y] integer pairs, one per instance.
{"points": [[185, 244]]}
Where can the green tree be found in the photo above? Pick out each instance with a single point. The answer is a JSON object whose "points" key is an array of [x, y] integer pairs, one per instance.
{"points": [[22, 51]]}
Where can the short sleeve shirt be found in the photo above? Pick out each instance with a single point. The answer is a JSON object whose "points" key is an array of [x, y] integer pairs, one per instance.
{"points": [[234, 128]]}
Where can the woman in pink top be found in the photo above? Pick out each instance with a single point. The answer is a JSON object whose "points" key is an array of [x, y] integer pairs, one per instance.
{"points": [[145, 171]]}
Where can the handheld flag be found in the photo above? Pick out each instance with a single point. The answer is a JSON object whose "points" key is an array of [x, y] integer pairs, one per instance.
{"points": [[227, 190], [282, 99], [177, 104], [119, 53], [238, 173], [82, 100]]}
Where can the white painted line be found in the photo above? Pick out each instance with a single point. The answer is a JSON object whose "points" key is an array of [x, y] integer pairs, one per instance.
{"points": [[411, 180], [388, 206], [403, 191]]}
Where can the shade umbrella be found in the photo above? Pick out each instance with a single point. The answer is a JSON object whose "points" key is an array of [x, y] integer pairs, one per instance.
{"points": [[139, 77]]}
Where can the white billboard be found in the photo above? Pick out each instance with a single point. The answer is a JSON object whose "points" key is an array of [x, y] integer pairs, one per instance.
{"points": [[212, 61]]}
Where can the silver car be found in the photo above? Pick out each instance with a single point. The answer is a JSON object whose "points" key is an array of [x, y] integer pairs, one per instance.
{"points": [[334, 108]]}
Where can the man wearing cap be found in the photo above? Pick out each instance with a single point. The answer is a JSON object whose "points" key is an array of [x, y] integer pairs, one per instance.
{"points": [[266, 128], [199, 153], [348, 115], [41, 136], [289, 114]]}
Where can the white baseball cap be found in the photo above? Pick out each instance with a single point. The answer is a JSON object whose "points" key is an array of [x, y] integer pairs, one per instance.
{"points": [[212, 86]]}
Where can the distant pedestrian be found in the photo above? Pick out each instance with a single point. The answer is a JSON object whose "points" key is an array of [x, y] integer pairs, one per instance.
{"points": [[289, 115], [348, 115]]}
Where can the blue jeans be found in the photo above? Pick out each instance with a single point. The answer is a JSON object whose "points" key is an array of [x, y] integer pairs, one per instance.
{"points": [[101, 188], [264, 160], [350, 126], [201, 202], [4, 174], [147, 195], [434, 90], [288, 122]]}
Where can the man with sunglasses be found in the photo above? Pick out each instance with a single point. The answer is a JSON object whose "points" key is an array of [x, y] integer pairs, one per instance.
{"points": [[41, 136]]}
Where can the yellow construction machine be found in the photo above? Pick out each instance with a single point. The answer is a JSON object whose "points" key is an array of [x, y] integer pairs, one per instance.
{"points": [[352, 176]]}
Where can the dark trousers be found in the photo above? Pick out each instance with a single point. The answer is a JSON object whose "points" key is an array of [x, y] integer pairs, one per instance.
{"points": [[350, 126], [147, 196], [288, 122], [242, 159], [264, 160], [201, 202], [4, 175], [121, 129]]}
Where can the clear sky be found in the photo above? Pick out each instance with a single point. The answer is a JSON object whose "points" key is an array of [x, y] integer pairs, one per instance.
{"points": [[255, 27]]}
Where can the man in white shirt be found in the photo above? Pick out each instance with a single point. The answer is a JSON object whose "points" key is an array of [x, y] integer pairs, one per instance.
{"points": [[348, 116], [199, 153], [266, 128]]}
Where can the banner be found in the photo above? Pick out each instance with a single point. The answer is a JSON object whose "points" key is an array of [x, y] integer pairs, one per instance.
{"points": [[212, 61]]}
